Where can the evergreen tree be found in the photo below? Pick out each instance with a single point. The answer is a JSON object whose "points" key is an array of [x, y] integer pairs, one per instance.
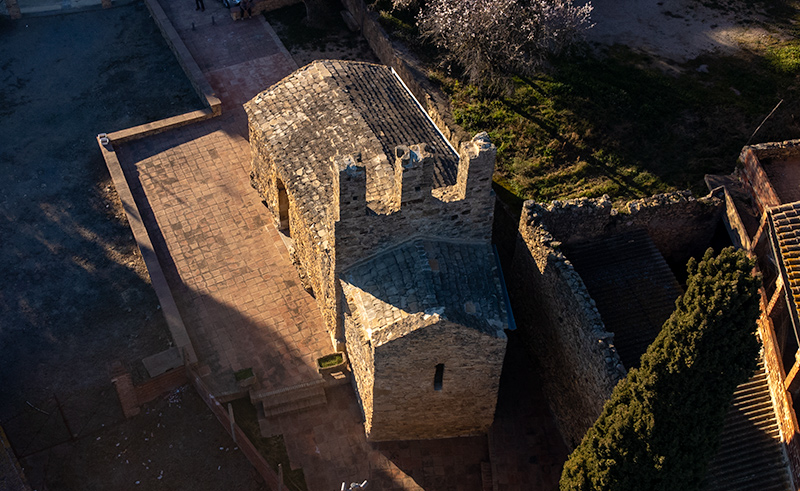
{"points": [[662, 424]]}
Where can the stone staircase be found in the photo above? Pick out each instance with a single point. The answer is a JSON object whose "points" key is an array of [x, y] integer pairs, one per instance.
{"points": [[750, 455], [271, 404]]}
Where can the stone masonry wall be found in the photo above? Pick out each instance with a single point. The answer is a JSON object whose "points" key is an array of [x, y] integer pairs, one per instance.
{"points": [[404, 382], [562, 329], [313, 260], [680, 225], [781, 398], [362, 363], [360, 235], [755, 178]]}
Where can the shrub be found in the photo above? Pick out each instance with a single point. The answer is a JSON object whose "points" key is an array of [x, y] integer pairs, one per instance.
{"points": [[662, 424]]}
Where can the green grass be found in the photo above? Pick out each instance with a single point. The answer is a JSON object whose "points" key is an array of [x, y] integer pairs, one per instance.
{"points": [[273, 449], [785, 58], [618, 125], [331, 360]]}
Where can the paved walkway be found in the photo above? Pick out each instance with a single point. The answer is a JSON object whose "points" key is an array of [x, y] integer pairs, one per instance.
{"points": [[238, 293], [226, 265]]}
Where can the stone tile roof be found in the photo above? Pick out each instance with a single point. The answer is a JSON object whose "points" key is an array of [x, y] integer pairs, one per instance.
{"points": [[786, 227], [633, 287], [317, 117], [749, 454], [458, 281]]}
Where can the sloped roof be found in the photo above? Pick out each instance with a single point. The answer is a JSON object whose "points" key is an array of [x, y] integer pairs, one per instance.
{"points": [[750, 454], [632, 285], [458, 281], [329, 110], [785, 223]]}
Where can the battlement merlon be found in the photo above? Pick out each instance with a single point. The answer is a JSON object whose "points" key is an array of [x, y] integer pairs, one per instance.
{"points": [[413, 172], [476, 167], [349, 187]]}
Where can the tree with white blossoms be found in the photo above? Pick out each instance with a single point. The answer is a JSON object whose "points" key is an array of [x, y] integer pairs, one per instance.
{"points": [[491, 37]]}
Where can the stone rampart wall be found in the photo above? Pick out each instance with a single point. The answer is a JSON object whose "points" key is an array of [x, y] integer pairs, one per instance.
{"points": [[553, 309], [562, 329], [780, 150], [680, 225]]}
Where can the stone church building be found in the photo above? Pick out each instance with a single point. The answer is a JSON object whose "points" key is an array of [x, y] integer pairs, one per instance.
{"points": [[390, 229]]}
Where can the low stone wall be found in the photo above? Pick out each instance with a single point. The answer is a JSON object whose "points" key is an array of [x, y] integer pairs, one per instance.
{"points": [[131, 397], [680, 225], [184, 57], [561, 327], [410, 71], [261, 6], [177, 329], [271, 479]]}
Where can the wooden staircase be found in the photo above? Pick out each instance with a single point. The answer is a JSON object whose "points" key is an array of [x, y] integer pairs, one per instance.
{"points": [[750, 455]]}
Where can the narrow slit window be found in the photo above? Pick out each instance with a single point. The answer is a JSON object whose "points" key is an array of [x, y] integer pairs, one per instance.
{"points": [[438, 377]]}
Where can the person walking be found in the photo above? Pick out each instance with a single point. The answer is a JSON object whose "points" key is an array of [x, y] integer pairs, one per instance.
{"points": [[246, 9], [199, 5]]}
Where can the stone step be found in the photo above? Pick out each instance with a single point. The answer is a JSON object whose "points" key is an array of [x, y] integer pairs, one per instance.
{"points": [[267, 427], [288, 394], [487, 482], [755, 476], [290, 399], [294, 406], [768, 431]]}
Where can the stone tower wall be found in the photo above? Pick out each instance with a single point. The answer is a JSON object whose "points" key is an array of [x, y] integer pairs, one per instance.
{"points": [[462, 212], [404, 372], [362, 361]]}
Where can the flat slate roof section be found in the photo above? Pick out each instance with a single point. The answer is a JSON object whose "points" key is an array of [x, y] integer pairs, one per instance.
{"points": [[785, 224], [784, 176], [634, 289], [457, 280]]}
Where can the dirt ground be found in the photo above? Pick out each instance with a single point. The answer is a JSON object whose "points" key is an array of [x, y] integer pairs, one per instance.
{"points": [[75, 295], [305, 44], [679, 30]]}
